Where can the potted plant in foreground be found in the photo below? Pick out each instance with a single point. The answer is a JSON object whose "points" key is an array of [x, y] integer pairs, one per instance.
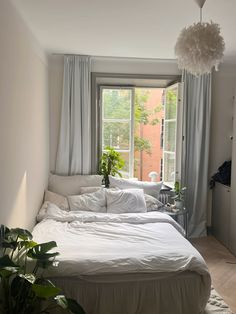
{"points": [[179, 195], [111, 163], [23, 289]]}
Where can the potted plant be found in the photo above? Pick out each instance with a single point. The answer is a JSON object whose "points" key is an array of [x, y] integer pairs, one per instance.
{"points": [[179, 195], [111, 163], [23, 289]]}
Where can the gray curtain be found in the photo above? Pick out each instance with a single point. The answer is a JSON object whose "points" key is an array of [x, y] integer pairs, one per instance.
{"points": [[74, 147], [195, 152]]}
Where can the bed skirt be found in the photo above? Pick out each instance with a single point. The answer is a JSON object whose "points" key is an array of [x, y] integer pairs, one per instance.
{"points": [[182, 293]]}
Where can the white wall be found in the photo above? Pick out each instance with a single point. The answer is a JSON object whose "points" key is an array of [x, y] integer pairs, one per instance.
{"points": [[24, 132], [232, 215], [224, 84]]}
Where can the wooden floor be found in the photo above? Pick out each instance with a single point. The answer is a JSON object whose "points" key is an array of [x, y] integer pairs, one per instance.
{"points": [[222, 266]]}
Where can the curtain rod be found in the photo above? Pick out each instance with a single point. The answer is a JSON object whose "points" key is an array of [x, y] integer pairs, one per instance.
{"points": [[113, 57]]}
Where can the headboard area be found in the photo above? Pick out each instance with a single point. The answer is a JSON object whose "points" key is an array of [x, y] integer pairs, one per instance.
{"points": [[71, 185]]}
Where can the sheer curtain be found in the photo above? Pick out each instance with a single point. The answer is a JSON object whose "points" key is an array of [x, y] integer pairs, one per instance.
{"points": [[74, 147], [196, 132]]}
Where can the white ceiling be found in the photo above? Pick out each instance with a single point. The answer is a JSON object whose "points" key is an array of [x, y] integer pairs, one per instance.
{"points": [[122, 28]]}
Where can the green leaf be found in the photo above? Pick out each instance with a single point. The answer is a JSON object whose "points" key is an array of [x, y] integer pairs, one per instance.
{"points": [[45, 292], [9, 244], [45, 263], [8, 271], [20, 285], [70, 304], [61, 301], [39, 251], [21, 233], [5, 261], [27, 244], [74, 307], [29, 277]]}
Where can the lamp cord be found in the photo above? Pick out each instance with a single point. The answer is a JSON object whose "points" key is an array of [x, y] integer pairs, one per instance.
{"points": [[200, 15]]}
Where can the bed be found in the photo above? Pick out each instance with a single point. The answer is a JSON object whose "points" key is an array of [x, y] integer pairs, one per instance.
{"points": [[129, 263]]}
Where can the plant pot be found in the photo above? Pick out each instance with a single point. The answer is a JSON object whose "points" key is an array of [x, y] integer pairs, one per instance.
{"points": [[179, 204]]}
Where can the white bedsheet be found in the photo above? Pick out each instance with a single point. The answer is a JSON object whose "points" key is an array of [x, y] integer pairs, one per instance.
{"points": [[98, 243]]}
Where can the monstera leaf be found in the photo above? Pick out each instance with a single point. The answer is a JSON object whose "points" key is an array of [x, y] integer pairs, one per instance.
{"points": [[25, 292]]}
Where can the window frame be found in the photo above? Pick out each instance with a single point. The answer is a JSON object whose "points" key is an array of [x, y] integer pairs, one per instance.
{"points": [[178, 134]]}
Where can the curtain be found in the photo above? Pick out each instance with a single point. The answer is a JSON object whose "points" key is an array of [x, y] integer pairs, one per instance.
{"points": [[74, 147], [195, 150]]}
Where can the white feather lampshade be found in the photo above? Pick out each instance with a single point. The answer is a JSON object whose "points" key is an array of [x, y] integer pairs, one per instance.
{"points": [[200, 47]]}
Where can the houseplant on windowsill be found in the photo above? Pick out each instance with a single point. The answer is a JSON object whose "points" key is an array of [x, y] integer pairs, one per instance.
{"points": [[110, 163], [23, 289], [179, 195]]}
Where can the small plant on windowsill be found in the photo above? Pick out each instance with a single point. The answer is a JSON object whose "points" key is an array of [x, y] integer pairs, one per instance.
{"points": [[111, 163], [23, 289], [179, 195]]}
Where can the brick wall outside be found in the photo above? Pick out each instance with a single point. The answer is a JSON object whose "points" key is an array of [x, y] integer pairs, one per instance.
{"points": [[146, 163]]}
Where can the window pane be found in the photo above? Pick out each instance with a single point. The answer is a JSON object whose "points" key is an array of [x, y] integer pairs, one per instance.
{"points": [[171, 104], [117, 103], [170, 136], [116, 135], [169, 167], [125, 171]]}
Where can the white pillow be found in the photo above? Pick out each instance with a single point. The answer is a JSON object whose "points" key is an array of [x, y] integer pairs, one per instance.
{"points": [[89, 189], [57, 199], [150, 188], [125, 201], [93, 202], [43, 210], [70, 185], [152, 203]]}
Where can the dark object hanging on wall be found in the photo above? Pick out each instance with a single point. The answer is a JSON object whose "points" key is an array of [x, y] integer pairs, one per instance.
{"points": [[223, 175]]}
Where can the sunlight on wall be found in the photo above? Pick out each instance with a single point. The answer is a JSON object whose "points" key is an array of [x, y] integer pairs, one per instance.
{"points": [[18, 212]]}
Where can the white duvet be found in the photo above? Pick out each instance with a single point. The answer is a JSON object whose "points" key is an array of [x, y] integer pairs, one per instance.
{"points": [[101, 243]]}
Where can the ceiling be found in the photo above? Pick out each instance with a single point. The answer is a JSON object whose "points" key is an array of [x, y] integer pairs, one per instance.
{"points": [[124, 28]]}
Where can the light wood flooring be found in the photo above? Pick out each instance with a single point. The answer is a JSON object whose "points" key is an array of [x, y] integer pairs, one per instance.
{"points": [[222, 266]]}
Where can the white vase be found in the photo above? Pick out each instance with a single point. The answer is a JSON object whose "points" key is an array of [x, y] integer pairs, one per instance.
{"points": [[179, 204]]}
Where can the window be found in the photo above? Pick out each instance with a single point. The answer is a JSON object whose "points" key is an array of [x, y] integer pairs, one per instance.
{"points": [[117, 123], [142, 124], [170, 158], [162, 132]]}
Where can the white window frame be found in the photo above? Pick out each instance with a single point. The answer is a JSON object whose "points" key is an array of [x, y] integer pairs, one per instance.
{"points": [[178, 134], [130, 120]]}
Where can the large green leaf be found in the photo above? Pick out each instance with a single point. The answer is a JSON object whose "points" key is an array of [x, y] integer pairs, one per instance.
{"points": [[20, 285], [61, 301], [3, 232], [74, 307], [45, 263], [29, 277], [5, 261], [40, 251], [45, 292], [8, 271], [27, 244], [21, 233], [9, 244]]}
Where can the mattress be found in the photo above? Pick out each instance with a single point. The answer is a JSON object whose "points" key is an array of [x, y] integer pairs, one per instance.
{"points": [[126, 263]]}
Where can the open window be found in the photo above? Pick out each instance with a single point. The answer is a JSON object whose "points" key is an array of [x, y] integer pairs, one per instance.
{"points": [[144, 125], [172, 134]]}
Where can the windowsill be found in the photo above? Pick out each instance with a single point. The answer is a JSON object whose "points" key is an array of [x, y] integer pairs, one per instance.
{"points": [[168, 186]]}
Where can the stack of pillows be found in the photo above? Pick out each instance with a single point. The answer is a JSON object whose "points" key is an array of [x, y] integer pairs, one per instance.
{"points": [[85, 193]]}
